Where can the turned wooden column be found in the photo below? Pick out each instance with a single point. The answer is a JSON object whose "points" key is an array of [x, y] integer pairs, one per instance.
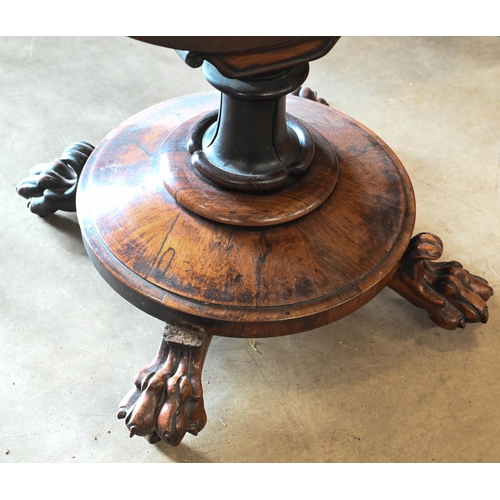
{"points": [[249, 145]]}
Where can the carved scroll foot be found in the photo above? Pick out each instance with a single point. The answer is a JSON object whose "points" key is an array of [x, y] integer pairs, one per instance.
{"points": [[52, 186], [167, 400], [451, 296]]}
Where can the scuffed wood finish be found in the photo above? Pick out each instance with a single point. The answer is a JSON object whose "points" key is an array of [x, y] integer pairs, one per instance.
{"points": [[167, 398], [244, 281], [451, 295], [243, 57], [52, 186]]}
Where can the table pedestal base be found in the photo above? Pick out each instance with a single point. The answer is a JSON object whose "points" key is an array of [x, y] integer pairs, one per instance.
{"points": [[209, 260]]}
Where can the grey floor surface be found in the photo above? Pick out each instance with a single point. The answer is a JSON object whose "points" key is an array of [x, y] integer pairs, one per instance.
{"points": [[382, 385]]}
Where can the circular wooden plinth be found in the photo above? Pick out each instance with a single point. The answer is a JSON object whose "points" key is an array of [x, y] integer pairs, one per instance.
{"points": [[244, 281], [297, 198]]}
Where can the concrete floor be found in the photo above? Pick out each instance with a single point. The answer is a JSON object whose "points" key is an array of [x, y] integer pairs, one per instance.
{"points": [[382, 385]]}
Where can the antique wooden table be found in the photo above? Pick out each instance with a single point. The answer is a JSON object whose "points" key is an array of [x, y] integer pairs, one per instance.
{"points": [[247, 212]]}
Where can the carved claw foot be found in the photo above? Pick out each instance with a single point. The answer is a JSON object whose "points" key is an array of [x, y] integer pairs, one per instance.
{"points": [[451, 296], [167, 400], [308, 93], [52, 186]]}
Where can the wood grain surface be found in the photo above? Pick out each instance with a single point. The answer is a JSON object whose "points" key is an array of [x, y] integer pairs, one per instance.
{"points": [[193, 191], [244, 281]]}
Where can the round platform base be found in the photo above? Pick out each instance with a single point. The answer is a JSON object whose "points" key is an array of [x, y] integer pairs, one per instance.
{"points": [[254, 281], [299, 196]]}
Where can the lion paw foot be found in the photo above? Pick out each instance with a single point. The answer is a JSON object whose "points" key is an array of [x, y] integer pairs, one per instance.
{"points": [[167, 399], [451, 295], [308, 93], [52, 186]]}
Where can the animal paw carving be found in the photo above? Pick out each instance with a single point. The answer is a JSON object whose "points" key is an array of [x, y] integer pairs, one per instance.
{"points": [[167, 400], [451, 295], [52, 186]]}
